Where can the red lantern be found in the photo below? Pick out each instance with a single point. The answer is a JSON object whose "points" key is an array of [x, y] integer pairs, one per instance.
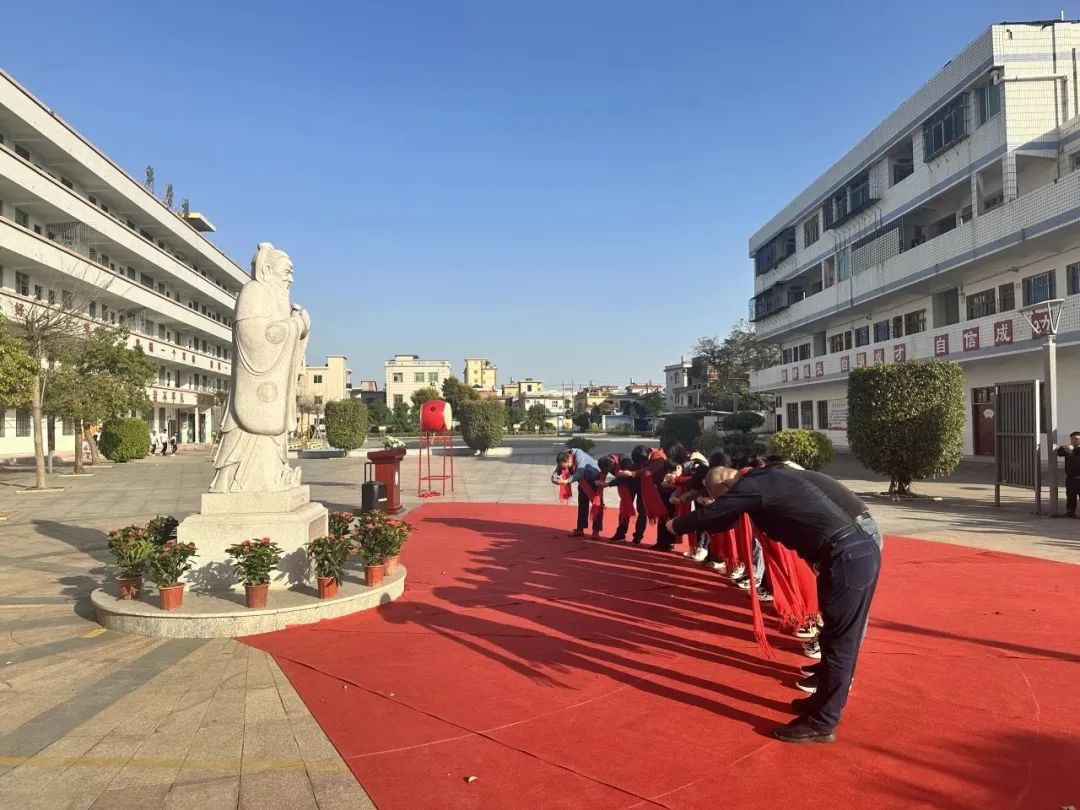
{"points": [[436, 417]]}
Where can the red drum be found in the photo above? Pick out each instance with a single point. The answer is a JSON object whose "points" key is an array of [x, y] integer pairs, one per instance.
{"points": [[436, 417]]}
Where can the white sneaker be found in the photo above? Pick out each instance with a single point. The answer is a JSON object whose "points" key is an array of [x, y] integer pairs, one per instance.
{"points": [[739, 572], [700, 554], [807, 631], [719, 567], [688, 553], [743, 584], [812, 649]]}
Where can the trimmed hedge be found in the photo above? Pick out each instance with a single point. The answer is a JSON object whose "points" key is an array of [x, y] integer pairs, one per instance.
{"points": [[811, 449], [346, 423], [482, 423], [679, 428], [708, 443], [581, 443], [743, 421], [906, 420], [124, 439]]}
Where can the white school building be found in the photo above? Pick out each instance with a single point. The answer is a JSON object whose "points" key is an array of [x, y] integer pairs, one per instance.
{"points": [[72, 222], [923, 241]]}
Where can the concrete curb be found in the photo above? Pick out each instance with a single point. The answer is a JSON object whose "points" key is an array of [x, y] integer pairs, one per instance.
{"points": [[218, 616]]}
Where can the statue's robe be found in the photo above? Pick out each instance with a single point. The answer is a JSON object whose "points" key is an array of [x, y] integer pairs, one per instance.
{"points": [[267, 355]]}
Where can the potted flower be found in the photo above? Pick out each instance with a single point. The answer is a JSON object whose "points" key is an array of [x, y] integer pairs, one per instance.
{"points": [[397, 532], [372, 545], [167, 564], [328, 555], [161, 529], [393, 450], [339, 523], [130, 549], [255, 559]]}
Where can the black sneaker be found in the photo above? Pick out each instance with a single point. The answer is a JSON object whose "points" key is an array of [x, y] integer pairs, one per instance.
{"points": [[763, 595], [800, 731], [810, 670], [662, 547], [618, 539], [808, 684], [636, 541], [804, 706]]}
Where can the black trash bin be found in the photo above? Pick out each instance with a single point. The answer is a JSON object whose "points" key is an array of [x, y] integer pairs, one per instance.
{"points": [[372, 496]]}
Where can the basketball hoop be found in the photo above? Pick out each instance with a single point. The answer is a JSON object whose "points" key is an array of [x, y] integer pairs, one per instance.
{"points": [[1044, 317]]}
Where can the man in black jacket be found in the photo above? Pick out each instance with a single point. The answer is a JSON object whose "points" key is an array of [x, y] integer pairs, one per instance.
{"points": [[1071, 453], [794, 512]]}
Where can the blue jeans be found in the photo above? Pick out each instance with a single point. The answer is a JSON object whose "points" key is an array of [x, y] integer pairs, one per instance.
{"points": [[847, 578]]}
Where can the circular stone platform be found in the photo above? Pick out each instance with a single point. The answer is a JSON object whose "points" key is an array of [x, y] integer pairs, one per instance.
{"points": [[224, 615]]}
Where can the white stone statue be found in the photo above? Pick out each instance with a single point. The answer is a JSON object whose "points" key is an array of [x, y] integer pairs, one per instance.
{"points": [[269, 339]]}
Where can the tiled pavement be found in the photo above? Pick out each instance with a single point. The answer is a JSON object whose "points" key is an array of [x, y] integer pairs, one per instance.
{"points": [[91, 718]]}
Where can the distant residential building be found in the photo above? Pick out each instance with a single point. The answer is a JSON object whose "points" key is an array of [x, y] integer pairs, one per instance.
{"points": [[327, 383], [528, 385], [557, 403], [406, 373], [588, 398], [480, 374], [368, 392], [681, 392], [641, 389]]}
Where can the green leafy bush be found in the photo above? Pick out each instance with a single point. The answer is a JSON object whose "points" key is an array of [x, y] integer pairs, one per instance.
{"points": [[170, 562], [906, 420], [482, 423], [581, 443], [679, 428], [131, 549], [708, 443], [255, 559], [124, 439], [328, 555], [346, 423], [811, 449], [160, 529], [743, 421]]}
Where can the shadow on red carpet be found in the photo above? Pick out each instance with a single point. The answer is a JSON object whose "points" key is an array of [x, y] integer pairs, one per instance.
{"points": [[566, 673]]}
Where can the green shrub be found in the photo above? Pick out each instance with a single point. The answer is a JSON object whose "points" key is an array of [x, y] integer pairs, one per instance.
{"points": [[581, 443], [680, 428], [906, 420], [741, 445], [124, 439], [743, 421], [482, 423], [582, 421], [811, 449], [708, 443], [346, 423], [159, 530]]}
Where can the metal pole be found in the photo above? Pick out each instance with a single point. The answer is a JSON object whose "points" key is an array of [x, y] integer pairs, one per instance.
{"points": [[1052, 419]]}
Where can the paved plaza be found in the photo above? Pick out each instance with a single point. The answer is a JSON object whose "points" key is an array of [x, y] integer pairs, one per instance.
{"points": [[89, 718]]}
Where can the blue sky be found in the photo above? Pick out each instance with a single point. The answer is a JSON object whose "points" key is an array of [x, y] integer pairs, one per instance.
{"points": [[566, 188]]}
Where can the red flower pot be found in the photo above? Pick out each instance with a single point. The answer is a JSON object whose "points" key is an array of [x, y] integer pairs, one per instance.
{"points": [[256, 595], [129, 587], [172, 596], [327, 587], [373, 575], [392, 564]]}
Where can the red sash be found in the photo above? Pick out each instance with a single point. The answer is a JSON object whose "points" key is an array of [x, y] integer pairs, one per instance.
{"points": [[594, 494], [655, 507]]}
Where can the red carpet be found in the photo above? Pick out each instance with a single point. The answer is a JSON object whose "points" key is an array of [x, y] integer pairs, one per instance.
{"points": [[565, 673]]}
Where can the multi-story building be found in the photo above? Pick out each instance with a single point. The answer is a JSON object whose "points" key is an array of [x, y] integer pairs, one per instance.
{"points": [[589, 397], [924, 240], [557, 404], [369, 393], [78, 231], [480, 374], [327, 383], [514, 389], [681, 390], [407, 373]]}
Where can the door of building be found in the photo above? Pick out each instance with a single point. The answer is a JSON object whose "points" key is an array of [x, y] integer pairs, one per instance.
{"points": [[983, 420]]}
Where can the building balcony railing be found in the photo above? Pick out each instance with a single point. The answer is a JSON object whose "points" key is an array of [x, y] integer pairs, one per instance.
{"points": [[1024, 218], [977, 339]]}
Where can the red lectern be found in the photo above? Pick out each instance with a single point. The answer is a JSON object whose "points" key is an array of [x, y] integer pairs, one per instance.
{"points": [[387, 465]]}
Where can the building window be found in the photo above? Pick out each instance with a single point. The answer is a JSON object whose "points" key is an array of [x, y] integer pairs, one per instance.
{"points": [[22, 284], [898, 326], [418, 376], [1039, 288], [836, 342], [22, 423], [785, 356], [980, 305], [67, 427], [1072, 272], [21, 151], [318, 400], [848, 200], [802, 352], [1007, 297], [806, 414], [811, 231], [915, 322], [399, 378], [945, 127], [793, 415], [881, 331], [989, 101], [823, 414], [22, 218], [433, 377], [862, 336], [317, 379]]}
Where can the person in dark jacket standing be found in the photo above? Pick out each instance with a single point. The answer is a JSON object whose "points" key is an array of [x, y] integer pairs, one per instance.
{"points": [[1071, 453], [794, 512]]}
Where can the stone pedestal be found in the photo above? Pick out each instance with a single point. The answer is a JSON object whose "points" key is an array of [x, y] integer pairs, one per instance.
{"points": [[289, 518]]}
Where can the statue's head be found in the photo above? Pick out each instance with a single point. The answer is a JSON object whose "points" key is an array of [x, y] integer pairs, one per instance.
{"points": [[272, 266]]}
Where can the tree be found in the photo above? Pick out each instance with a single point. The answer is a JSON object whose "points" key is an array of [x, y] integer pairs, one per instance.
{"points": [[906, 420], [422, 395], [381, 416], [16, 371], [681, 428], [743, 421], [98, 379], [402, 418], [456, 392], [515, 415], [723, 367], [583, 420], [346, 423], [306, 407], [482, 423], [536, 418], [811, 449], [650, 404], [48, 329]]}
